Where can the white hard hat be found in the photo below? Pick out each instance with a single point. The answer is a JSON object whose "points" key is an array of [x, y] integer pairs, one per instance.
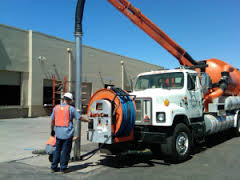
{"points": [[68, 95]]}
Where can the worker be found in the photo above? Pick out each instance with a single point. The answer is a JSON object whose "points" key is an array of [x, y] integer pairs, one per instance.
{"points": [[62, 124], [51, 147]]}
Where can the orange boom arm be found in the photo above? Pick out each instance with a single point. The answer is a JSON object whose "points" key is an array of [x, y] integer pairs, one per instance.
{"points": [[153, 31]]}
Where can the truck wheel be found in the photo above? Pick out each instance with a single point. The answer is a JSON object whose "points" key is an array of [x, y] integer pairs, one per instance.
{"points": [[237, 129], [178, 144]]}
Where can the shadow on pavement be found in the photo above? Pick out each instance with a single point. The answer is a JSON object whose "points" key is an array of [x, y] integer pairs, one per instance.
{"points": [[81, 166], [213, 140], [147, 159], [144, 159]]}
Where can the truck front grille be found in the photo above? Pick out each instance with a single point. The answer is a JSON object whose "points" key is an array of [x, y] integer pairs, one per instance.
{"points": [[138, 110], [143, 111]]}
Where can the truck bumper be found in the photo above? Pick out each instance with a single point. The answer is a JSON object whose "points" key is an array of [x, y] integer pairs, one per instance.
{"points": [[146, 136]]}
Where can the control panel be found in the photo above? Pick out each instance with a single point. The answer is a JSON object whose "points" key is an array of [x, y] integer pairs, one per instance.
{"points": [[99, 128]]}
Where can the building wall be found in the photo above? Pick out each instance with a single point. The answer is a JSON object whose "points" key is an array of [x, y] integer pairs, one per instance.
{"points": [[13, 49], [49, 57], [108, 64], [36, 56], [14, 68]]}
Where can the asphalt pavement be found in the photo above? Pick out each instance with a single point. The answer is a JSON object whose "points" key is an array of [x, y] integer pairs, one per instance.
{"points": [[218, 159]]}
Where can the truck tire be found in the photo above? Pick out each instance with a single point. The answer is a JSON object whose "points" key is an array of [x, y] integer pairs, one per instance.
{"points": [[237, 129], [178, 145]]}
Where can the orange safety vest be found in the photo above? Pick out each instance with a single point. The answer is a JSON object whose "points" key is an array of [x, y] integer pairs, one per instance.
{"points": [[62, 115], [51, 141]]}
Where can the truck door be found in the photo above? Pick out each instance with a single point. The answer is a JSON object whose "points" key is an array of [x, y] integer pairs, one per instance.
{"points": [[194, 96]]}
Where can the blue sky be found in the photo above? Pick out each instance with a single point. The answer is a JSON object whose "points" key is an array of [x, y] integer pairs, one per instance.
{"points": [[205, 28]]}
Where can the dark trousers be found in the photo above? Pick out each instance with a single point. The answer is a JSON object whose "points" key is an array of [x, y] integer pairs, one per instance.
{"points": [[62, 153]]}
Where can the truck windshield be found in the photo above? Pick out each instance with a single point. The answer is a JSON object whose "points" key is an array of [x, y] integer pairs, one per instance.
{"points": [[173, 80]]}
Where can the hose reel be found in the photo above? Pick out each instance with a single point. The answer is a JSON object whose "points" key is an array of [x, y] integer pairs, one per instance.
{"points": [[112, 113]]}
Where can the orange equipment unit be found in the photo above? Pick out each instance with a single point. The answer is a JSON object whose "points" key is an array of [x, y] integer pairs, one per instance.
{"points": [[122, 115], [215, 70]]}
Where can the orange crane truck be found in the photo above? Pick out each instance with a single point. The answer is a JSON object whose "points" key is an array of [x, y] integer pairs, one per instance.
{"points": [[168, 110]]}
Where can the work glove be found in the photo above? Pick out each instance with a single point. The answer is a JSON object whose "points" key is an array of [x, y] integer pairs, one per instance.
{"points": [[52, 133]]}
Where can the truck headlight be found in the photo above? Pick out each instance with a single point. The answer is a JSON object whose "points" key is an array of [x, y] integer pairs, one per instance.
{"points": [[160, 116]]}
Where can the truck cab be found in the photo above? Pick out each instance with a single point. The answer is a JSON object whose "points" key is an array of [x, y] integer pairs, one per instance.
{"points": [[163, 96], [169, 111]]}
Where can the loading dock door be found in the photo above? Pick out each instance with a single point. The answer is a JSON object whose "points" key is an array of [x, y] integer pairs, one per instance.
{"points": [[48, 92], [10, 88]]}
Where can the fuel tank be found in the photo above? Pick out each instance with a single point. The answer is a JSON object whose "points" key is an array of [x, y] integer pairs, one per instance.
{"points": [[214, 70], [215, 124]]}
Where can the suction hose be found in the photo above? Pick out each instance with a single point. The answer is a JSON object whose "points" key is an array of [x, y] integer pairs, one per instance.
{"points": [[222, 86], [79, 16], [129, 113]]}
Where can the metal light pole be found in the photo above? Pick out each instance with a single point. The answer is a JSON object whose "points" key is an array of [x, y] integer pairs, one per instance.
{"points": [[69, 50], [122, 73], [78, 85]]}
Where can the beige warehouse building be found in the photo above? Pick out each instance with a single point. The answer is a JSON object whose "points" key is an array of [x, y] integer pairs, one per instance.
{"points": [[29, 60]]}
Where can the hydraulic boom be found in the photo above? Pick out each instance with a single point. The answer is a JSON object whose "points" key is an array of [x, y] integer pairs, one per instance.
{"points": [[153, 31]]}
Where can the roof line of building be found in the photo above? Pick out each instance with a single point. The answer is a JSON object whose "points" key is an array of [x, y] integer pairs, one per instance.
{"points": [[53, 37], [11, 27], [101, 50], [57, 38], [120, 55]]}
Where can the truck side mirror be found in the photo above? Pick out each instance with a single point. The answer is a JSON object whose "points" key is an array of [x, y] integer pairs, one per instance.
{"points": [[205, 82], [190, 83]]}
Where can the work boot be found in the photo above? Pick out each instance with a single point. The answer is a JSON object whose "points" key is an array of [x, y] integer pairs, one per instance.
{"points": [[66, 170], [53, 170]]}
